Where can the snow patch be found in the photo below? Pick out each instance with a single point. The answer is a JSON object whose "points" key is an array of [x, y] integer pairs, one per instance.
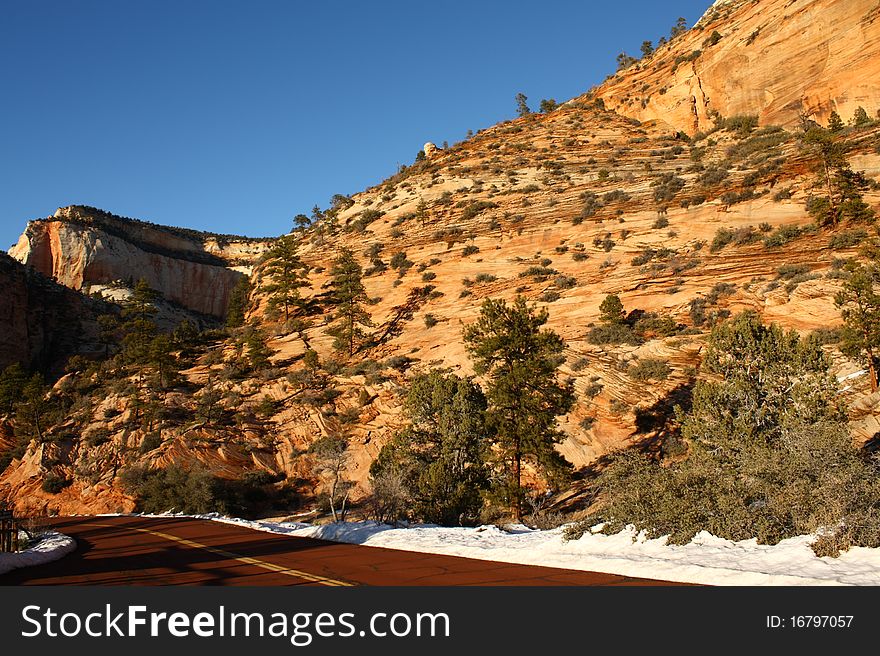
{"points": [[707, 559], [51, 547]]}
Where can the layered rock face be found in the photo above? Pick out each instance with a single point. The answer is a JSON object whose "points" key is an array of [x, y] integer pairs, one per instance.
{"points": [[79, 248], [43, 322], [774, 58]]}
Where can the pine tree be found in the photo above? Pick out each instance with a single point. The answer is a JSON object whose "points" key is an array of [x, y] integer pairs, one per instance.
{"points": [[548, 105], [835, 123], [208, 400], [349, 295], [138, 326], [860, 117], [440, 459], [33, 408], [239, 300], [647, 49], [520, 361], [258, 352], [12, 382], [624, 61], [768, 453], [522, 109], [108, 327], [678, 29], [286, 272], [162, 360], [860, 309], [842, 185]]}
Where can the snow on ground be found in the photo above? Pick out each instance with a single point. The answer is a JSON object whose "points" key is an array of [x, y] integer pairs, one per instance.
{"points": [[707, 559], [51, 546]]}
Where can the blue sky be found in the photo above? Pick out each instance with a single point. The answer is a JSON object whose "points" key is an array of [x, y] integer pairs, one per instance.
{"points": [[235, 116]]}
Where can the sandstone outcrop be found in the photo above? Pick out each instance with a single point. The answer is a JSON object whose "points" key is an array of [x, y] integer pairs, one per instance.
{"points": [[78, 248], [774, 58]]}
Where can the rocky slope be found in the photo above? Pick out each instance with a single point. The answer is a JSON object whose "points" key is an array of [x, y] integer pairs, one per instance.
{"points": [[81, 247], [563, 208], [774, 58], [44, 323]]}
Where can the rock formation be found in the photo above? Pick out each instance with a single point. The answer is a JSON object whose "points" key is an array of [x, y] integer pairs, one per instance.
{"points": [[80, 247], [773, 58]]}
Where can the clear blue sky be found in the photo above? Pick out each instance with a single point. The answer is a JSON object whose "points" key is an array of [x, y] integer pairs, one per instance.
{"points": [[235, 116]]}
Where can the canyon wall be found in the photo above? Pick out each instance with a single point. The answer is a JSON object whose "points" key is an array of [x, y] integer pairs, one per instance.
{"points": [[78, 249], [774, 58]]}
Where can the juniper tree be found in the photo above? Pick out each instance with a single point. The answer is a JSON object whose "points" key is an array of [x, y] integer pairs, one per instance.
{"points": [[520, 361], [548, 105], [286, 273], [611, 310], [440, 458], [349, 295]]}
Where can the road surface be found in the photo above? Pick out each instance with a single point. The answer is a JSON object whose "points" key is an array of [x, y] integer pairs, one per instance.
{"points": [[181, 551]]}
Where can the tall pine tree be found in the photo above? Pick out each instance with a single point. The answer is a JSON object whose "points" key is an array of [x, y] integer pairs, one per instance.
{"points": [[287, 274], [138, 325], [520, 360], [349, 295]]}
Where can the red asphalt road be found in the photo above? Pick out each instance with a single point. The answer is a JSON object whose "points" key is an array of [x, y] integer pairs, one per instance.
{"points": [[178, 551]]}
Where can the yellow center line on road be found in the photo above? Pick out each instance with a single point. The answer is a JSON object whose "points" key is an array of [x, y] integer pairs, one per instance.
{"points": [[256, 562]]}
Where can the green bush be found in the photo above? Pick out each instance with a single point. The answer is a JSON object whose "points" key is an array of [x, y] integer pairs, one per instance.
{"points": [[614, 333], [650, 369], [783, 235], [192, 489], [769, 454], [848, 239]]}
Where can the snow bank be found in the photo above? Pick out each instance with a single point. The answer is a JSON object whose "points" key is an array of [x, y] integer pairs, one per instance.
{"points": [[707, 559], [51, 547]]}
